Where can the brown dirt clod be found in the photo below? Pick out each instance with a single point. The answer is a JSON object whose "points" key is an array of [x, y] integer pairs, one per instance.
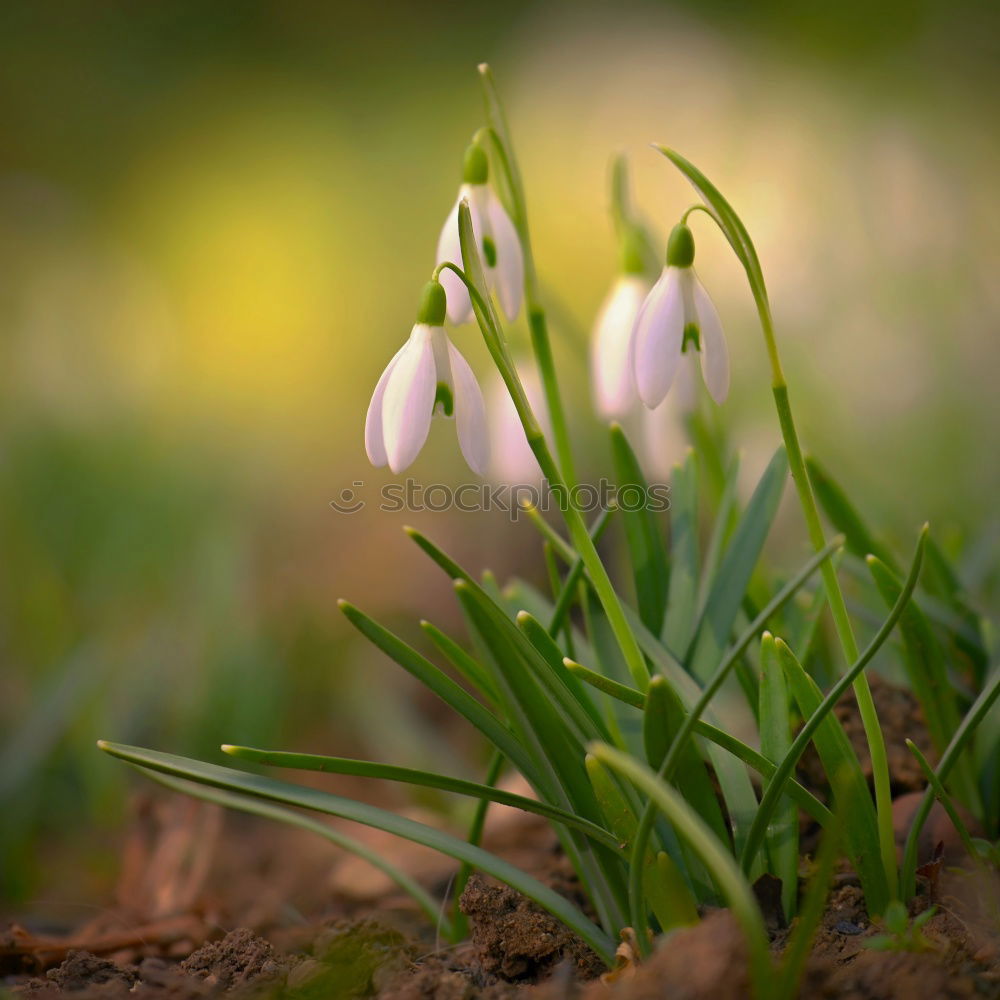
{"points": [[516, 940], [240, 957]]}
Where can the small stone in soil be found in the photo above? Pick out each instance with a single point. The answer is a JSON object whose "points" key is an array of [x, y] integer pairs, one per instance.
{"points": [[847, 927]]}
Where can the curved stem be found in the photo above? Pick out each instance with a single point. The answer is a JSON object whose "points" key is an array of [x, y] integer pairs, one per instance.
{"points": [[489, 324], [537, 322], [734, 231]]}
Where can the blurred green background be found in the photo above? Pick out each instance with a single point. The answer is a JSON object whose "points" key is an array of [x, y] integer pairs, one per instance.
{"points": [[215, 220]]}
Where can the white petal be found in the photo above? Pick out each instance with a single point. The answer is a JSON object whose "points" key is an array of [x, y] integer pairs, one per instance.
{"points": [[409, 400], [450, 249], [509, 274], [374, 437], [657, 338], [511, 460], [685, 391], [714, 353], [614, 385], [470, 413]]}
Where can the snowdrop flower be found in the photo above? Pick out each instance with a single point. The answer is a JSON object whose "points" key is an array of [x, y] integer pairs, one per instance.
{"points": [[677, 317], [496, 237], [511, 459], [611, 372], [427, 375]]}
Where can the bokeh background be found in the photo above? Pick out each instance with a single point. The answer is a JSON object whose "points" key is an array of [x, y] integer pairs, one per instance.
{"points": [[215, 220]]}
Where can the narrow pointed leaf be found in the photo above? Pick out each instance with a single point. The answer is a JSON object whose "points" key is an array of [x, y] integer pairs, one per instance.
{"points": [[425, 779], [736, 568], [444, 687], [266, 788], [643, 533], [775, 742]]}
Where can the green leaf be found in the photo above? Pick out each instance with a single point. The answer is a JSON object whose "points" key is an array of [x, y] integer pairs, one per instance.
{"points": [[729, 222], [563, 684], [924, 662], [463, 662], [713, 854], [775, 742], [682, 598], [445, 688], [643, 533], [726, 519], [425, 779], [571, 585], [552, 743], [620, 816], [844, 516], [662, 719], [244, 803], [840, 762], [800, 942], [941, 794], [261, 787], [735, 570], [877, 892], [959, 741], [765, 767]]}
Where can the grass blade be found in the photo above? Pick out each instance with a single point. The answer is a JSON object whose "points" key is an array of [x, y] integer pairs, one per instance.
{"points": [[844, 516], [787, 765], [643, 533], [927, 673], [425, 779], [714, 855], [800, 942], [735, 570], [466, 664], [661, 721], [267, 810], [765, 767], [258, 786], [839, 759], [941, 794], [682, 596], [958, 743], [775, 742], [445, 688]]}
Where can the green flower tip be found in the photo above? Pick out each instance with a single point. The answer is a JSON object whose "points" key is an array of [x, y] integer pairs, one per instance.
{"points": [[433, 304], [228, 748], [680, 247], [476, 168], [103, 744], [632, 257]]}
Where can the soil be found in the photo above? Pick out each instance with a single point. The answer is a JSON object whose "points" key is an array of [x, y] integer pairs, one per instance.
{"points": [[213, 905]]}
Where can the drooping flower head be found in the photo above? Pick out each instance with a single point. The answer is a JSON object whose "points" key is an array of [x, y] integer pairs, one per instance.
{"points": [[511, 459], [678, 317], [611, 373], [428, 375], [496, 238]]}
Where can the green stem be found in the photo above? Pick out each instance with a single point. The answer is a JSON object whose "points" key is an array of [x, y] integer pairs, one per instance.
{"points": [[735, 232], [542, 349], [537, 323], [493, 335], [838, 609]]}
